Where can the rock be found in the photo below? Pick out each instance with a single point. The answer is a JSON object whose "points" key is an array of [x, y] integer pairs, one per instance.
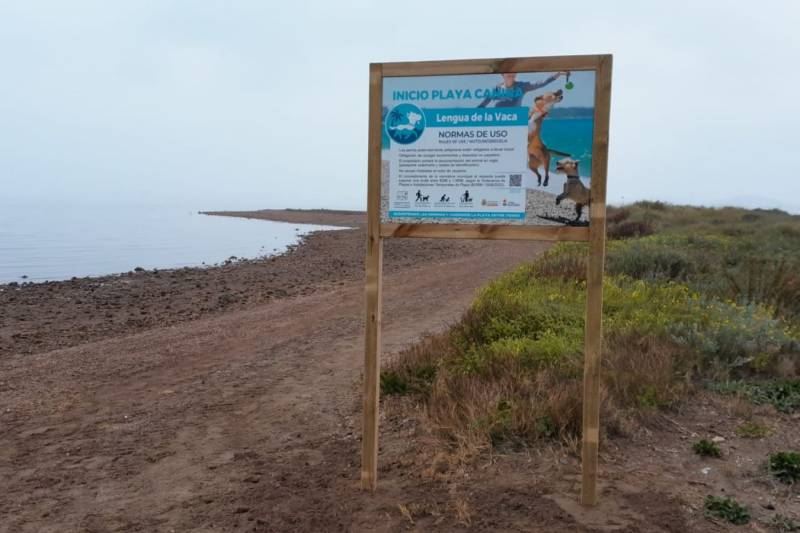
{"points": [[718, 439]]}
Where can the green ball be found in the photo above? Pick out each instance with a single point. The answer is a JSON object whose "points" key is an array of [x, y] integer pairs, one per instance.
{"points": [[569, 85]]}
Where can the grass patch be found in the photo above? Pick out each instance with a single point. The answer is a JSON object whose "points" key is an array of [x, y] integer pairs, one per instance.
{"points": [[753, 430], [784, 395], [783, 524], [785, 466], [727, 509], [414, 370], [706, 448]]}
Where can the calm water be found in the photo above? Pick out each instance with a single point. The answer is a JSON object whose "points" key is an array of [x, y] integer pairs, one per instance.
{"points": [[59, 243], [573, 136]]}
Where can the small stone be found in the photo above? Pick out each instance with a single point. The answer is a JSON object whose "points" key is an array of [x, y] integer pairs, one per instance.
{"points": [[718, 439]]}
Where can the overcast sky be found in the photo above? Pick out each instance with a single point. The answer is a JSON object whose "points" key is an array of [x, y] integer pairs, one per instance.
{"points": [[232, 104]]}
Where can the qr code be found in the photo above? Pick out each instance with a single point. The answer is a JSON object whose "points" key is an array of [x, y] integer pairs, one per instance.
{"points": [[515, 180]]}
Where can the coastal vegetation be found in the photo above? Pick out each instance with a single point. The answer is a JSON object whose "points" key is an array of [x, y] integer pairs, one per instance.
{"points": [[694, 299]]}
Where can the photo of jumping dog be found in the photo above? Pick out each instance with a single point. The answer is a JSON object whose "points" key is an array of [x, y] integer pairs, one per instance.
{"points": [[574, 189], [538, 153]]}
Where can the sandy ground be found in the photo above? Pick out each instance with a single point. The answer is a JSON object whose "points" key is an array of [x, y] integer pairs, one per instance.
{"points": [[238, 419], [246, 418]]}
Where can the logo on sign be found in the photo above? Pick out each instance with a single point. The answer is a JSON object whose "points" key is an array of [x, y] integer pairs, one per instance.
{"points": [[405, 123]]}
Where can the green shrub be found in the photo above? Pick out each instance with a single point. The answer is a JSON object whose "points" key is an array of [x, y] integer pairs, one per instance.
{"points": [[649, 260], [654, 205], [626, 229], [785, 466], [617, 214], [565, 261], [424, 373], [499, 422], [649, 398], [550, 311], [771, 281], [706, 448], [393, 383], [727, 509]]}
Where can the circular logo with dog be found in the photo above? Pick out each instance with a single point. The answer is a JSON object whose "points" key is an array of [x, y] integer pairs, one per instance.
{"points": [[405, 123]]}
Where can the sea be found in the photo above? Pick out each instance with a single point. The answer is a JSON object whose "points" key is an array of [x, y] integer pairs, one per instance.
{"points": [[572, 136], [46, 243]]}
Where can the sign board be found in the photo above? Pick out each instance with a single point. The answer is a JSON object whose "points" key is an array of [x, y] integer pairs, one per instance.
{"points": [[511, 148], [487, 148]]}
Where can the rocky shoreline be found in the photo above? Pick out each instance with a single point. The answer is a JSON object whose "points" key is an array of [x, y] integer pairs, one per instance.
{"points": [[38, 317]]}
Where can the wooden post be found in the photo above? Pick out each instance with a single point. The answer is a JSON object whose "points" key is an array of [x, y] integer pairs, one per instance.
{"points": [[374, 275], [594, 285]]}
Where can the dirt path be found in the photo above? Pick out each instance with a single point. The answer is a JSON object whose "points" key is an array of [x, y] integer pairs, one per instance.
{"points": [[243, 421]]}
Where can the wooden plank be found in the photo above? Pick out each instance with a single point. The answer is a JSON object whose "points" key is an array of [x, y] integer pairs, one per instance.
{"points": [[495, 65], [594, 285], [486, 231], [374, 267]]}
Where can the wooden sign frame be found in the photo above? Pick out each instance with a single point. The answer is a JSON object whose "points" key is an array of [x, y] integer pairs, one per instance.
{"points": [[594, 234]]}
